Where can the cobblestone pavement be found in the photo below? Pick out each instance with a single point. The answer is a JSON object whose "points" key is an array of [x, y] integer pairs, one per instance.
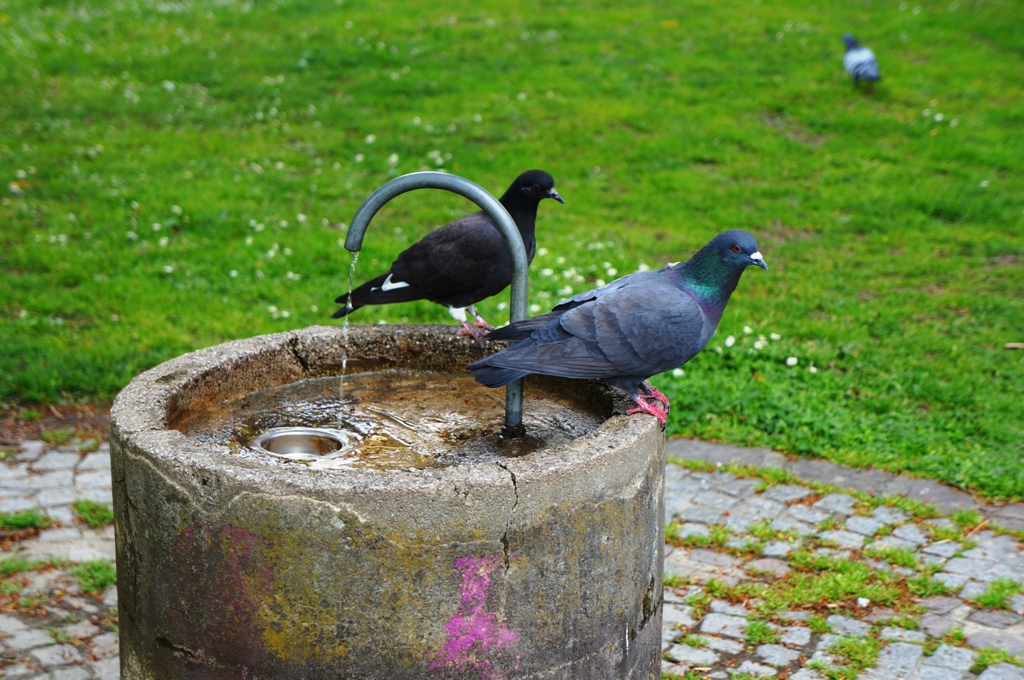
{"points": [[713, 627]]}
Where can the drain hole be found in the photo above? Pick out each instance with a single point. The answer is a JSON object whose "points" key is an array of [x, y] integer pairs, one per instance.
{"points": [[300, 443]]}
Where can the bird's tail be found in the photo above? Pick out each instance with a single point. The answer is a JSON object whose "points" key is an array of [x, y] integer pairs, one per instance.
{"points": [[494, 376], [373, 293]]}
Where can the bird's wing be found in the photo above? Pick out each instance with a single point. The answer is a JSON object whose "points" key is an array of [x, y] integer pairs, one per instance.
{"points": [[643, 330], [861, 63], [635, 330], [459, 257]]}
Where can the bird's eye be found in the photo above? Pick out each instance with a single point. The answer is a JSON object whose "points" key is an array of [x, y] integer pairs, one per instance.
{"points": [[735, 248], [536, 187]]}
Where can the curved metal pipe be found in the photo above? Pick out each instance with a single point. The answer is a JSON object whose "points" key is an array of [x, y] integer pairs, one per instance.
{"points": [[496, 211]]}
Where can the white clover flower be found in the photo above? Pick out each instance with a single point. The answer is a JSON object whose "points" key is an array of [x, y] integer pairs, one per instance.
{"points": [[611, 271], [359, 158], [233, 273], [416, 120], [863, 602], [747, 330], [157, 226], [542, 252], [370, 139], [678, 372], [938, 117], [502, 306], [248, 240], [292, 276], [393, 160], [775, 336], [729, 341], [20, 174], [599, 283], [132, 236], [164, 241], [926, 113], [534, 308], [283, 224], [760, 344], [176, 209], [301, 217], [168, 269], [792, 361], [279, 165], [812, 368], [642, 267], [983, 183], [547, 271], [954, 122], [168, 85], [718, 349]]}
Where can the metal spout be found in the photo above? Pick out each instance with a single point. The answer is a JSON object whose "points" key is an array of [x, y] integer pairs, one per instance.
{"points": [[496, 211]]}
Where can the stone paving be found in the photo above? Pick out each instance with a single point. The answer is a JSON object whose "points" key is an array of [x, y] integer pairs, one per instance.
{"points": [[59, 633], [715, 627]]}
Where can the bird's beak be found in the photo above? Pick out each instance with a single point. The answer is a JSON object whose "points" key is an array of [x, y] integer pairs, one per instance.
{"points": [[554, 194], [757, 259]]}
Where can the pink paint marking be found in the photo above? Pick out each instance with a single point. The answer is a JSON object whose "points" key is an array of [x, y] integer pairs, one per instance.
{"points": [[473, 633]]}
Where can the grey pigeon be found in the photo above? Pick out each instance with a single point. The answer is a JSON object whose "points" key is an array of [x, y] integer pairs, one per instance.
{"points": [[860, 63], [631, 329], [461, 263]]}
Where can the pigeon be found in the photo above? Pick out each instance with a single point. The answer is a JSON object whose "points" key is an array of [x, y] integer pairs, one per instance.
{"points": [[860, 63], [461, 263], [630, 329]]}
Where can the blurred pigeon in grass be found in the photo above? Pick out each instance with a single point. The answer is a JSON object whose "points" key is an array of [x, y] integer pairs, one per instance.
{"points": [[634, 327], [860, 63], [461, 263]]}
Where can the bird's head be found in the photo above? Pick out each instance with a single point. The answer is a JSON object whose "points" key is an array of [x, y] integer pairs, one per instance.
{"points": [[538, 185], [849, 41], [738, 248]]}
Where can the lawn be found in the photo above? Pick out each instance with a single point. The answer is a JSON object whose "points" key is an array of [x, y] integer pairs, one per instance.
{"points": [[177, 174]]}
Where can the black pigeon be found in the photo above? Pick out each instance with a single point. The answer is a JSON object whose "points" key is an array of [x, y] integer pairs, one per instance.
{"points": [[860, 63], [634, 327], [462, 262]]}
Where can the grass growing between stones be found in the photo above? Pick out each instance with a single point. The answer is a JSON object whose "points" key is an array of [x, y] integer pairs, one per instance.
{"points": [[990, 657], [95, 576], [96, 515], [998, 594], [851, 655], [28, 519], [218, 178]]}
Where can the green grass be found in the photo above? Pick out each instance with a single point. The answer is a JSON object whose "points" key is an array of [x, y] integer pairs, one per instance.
{"points": [[998, 594], [26, 519], [16, 565], [761, 633], [95, 576], [96, 515], [188, 183]]}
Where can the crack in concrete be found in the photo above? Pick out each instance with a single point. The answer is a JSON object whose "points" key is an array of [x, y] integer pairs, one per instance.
{"points": [[293, 345], [508, 520]]}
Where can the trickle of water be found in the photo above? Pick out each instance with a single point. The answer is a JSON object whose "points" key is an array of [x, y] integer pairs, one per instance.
{"points": [[344, 334]]}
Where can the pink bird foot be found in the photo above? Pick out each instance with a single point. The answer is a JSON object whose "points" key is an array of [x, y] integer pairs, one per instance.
{"points": [[469, 331], [657, 394], [643, 406]]}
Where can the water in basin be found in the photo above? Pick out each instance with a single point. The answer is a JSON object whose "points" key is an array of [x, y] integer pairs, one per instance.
{"points": [[391, 420]]}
